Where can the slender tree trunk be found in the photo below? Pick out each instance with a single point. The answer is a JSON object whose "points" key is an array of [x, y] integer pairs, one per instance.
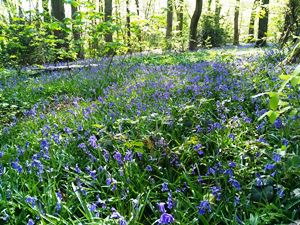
{"points": [[236, 23], [169, 23], [76, 33], [252, 21], [107, 18], [180, 22], [58, 12], [128, 26], [194, 25], [139, 36], [209, 5], [217, 13], [263, 24]]}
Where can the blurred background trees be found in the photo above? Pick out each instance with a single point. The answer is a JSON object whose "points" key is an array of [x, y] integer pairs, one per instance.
{"points": [[45, 31]]}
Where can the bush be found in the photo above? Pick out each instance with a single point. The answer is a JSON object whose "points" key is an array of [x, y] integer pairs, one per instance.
{"points": [[212, 33]]}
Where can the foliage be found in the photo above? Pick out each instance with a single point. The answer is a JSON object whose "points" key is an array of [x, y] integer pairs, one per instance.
{"points": [[212, 34], [175, 140]]}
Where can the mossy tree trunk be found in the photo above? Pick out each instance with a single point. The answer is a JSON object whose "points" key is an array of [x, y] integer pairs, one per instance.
{"points": [[263, 24], [169, 24], [194, 25]]}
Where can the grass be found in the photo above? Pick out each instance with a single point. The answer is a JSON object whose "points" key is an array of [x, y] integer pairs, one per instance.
{"points": [[103, 146]]}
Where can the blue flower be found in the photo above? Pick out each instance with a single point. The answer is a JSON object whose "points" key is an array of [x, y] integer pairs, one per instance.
{"points": [[278, 123], [232, 164], [149, 168], [161, 207], [204, 207], [235, 183], [269, 167], [276, 157], [31, 200], [166, 218], [164, 187], [30, 222], [170, 200]]}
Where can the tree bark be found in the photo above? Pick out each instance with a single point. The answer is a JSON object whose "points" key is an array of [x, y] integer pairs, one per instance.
{"points": [[217, 13], [76, 33], [169, 23], [252, 22], [180, 22], [263, 24], [58, 12], [194, 25], [139, 36], [107, 18], [128, 26], [236, 23]]}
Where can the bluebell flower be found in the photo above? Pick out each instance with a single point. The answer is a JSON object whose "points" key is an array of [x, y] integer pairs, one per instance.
{"points": [[232, 164], [122, 222], [161, 207], [278, 123], [232, 136], [164, 187], [235, 183], [105, 155], [117, 156], [166, 218], [236, 201], [269, 167], [276, 157], [30, 222], [128, 155], [149, 168], [17, 166], [93, 141], [216, 191], [31, 201], [204, 207], [170, 200], [285, 142]]}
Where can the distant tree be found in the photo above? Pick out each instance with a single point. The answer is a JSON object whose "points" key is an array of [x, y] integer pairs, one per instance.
{"points": [[137, 4], [107, 18], [194, 25], [76, 32], [58, 12], [236, 23], [252, 21], [291, 22], [180, 17], [263, 24], [169, 23], [128, 25], [217, 13]]}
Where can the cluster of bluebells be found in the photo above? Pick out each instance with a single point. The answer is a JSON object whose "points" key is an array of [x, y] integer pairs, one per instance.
{"points": [[113, 169]]}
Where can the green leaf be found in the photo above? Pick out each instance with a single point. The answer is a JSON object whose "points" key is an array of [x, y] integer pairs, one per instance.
{"points": [[274, 100], [273, 116], [295, 81], [284, 77], [297, 71]]}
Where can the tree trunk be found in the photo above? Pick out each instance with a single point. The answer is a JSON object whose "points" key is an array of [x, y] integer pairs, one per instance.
{"points": [[263, 24], [252, 22], [180, 22], [217, 13], [58, 12], [169, 23], [128, 26], [194, 25], [76, 33], [236, 23], [139, 36], [107, 18], [291, 21]]}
